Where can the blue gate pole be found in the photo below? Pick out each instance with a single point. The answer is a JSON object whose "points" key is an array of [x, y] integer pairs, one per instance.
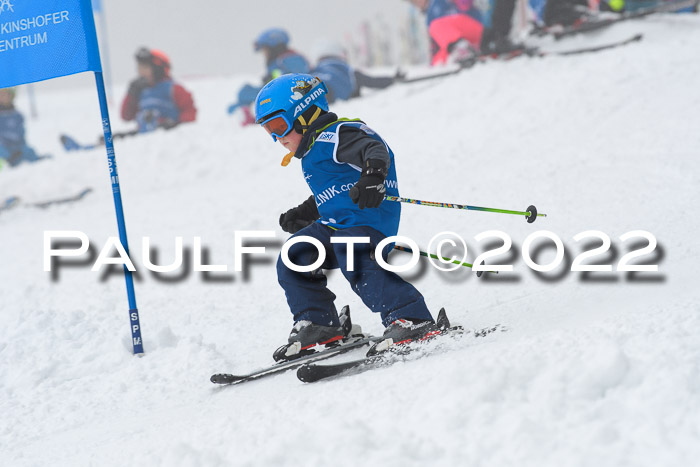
{"points": [[107, 64], [116, 191]]}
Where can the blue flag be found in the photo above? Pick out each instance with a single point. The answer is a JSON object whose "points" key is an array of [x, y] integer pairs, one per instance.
{"points": [[43, 39]]}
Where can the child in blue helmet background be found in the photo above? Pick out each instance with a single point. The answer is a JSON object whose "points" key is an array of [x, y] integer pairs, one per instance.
{"points": [[349, 169], [13, 146], [279, 60], [342, 80]]}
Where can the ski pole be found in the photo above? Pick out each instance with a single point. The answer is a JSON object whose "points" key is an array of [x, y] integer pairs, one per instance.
{"points": [[530, 215], [423, 253]]}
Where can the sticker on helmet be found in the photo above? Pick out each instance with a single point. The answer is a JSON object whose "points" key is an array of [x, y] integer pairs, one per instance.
{"points": [[302, 88]]}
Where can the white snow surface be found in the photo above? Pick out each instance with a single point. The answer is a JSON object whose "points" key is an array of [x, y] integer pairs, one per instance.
{"points": [[589, 373]]}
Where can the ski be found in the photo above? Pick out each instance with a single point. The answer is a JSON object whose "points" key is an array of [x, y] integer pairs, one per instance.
{"points": [[71, 144], [599, 48], [280, 367], [354, 339], [69, 199], [594, 25], [525, 52], [9, 203], [15, 201], [311, 372]]}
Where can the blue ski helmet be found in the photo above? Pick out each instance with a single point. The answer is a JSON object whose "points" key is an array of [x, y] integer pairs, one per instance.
{"points": [[283, 100], [271, 38]]}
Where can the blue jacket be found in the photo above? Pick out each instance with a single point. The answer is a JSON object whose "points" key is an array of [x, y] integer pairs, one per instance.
{"points": [[338, 76], [155, 105], [331, 180], [439, 8], [287, 62]]}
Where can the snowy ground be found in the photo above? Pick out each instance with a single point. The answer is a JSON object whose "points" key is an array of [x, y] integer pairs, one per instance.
{"points": [[601, 372]]}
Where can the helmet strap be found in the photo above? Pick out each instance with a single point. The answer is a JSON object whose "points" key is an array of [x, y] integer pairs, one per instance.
{"points": [[303, 124]]}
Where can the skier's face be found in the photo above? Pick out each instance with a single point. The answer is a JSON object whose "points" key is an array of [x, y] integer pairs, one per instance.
{"points": [[5, 98], [145, 71], [291, 141]]}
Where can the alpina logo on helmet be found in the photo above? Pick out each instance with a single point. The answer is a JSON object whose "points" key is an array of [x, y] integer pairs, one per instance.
{"points": [[309, 99]]}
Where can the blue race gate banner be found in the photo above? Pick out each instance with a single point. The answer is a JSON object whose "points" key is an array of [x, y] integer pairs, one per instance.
{"points": [[43, 39]]}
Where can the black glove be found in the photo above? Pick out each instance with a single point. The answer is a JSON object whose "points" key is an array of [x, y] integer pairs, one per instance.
{"points": [[299, 217], [137, 86], [167, 123], [369, 190]]}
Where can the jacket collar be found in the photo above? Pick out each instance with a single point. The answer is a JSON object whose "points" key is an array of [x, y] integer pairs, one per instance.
{"points": [[320, 124]]}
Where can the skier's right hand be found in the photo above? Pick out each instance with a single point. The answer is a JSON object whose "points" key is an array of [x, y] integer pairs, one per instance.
{"points": [[299, 217], [136, 87]]}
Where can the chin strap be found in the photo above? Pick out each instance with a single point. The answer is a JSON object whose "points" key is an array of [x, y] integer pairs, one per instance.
{"points": [[306, 124]]}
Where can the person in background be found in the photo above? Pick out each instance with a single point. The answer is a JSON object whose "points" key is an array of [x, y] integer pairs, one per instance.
{"points": [[451, 22], [279, 59], [13, 146], [342, 80], [459, 29], [495, 39], [154, 100]]}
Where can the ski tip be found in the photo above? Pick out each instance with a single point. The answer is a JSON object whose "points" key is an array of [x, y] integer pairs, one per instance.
{"points": [[307, 374], [69, 144], [224, 378]]}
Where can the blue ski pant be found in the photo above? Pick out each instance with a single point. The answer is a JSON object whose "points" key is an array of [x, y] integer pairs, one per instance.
{"points": [[382, 291]]}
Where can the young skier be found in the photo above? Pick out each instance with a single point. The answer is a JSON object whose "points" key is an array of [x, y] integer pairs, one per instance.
{"points": [[279, 60], [348, 168], [13, 147], [154, 100]]}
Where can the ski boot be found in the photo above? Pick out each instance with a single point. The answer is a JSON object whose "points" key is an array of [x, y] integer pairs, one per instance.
{"points": [[406, 331], [306, 337]]}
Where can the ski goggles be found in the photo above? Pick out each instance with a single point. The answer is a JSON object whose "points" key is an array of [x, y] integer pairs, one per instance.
{"points": [[278, 126]]}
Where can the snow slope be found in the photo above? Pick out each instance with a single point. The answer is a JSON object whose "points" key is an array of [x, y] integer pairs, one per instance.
{"points": [[604, 372]]}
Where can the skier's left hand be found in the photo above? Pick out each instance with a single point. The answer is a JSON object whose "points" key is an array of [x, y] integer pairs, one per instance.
{"points": [[167, 123], [369, 190]]}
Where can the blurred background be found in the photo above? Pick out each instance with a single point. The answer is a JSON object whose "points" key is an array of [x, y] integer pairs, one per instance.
{"points": [[215, 37]]}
